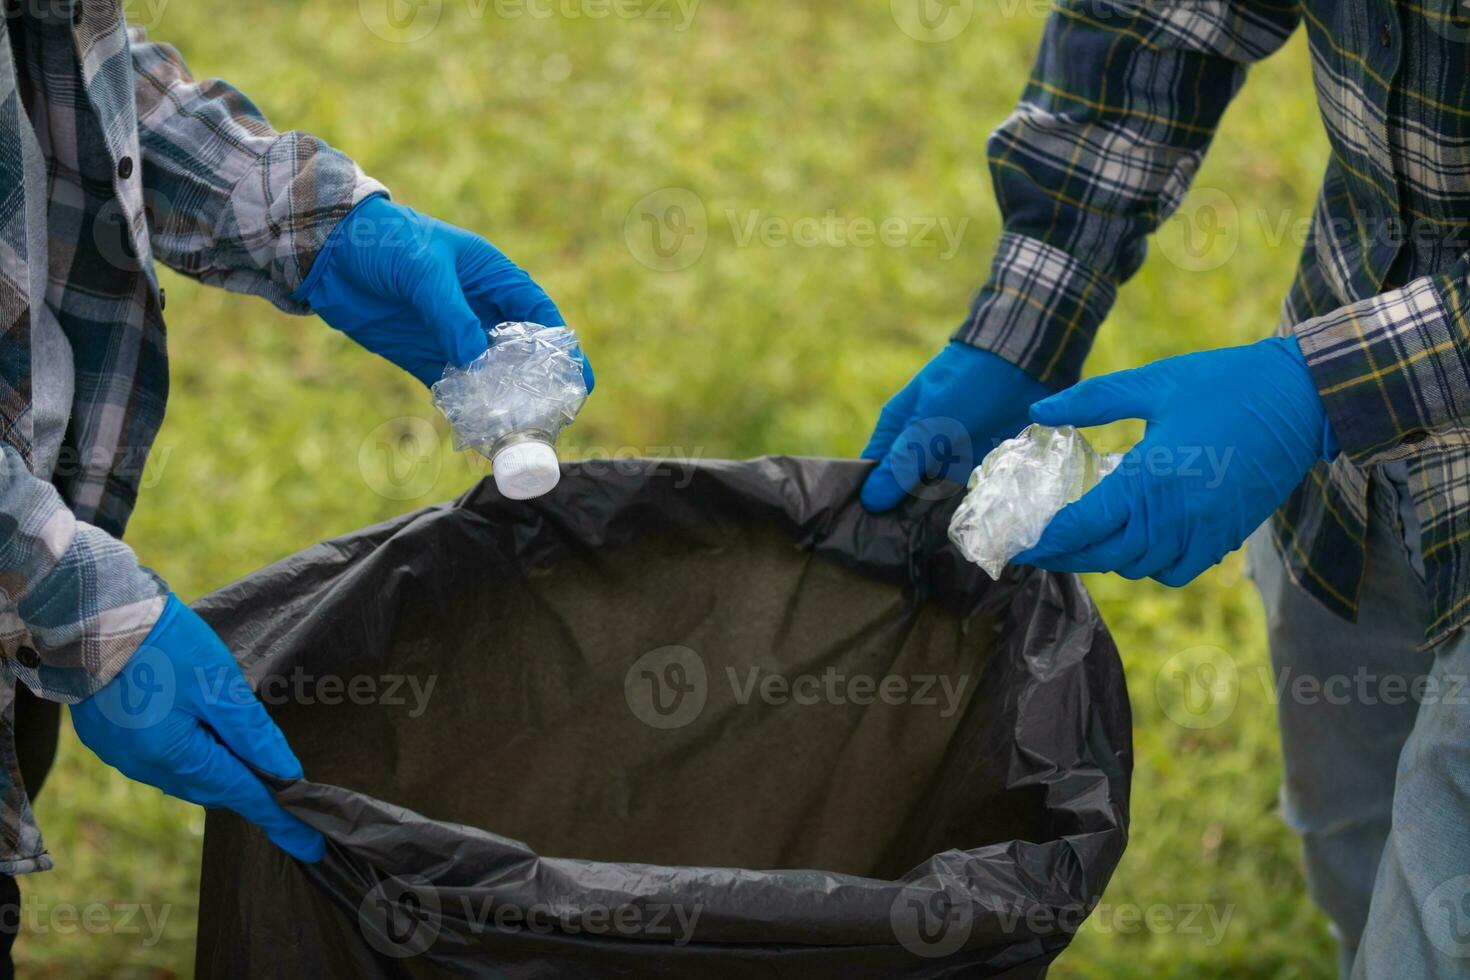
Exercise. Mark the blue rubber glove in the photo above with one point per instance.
(955, 410)
(180, 716)
(1230, 434)
(420, 292)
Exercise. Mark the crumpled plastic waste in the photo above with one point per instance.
(1018, 488)
(528, 381)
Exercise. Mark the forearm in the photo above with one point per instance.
(1119, 111)
(74, 602)
(231, 201)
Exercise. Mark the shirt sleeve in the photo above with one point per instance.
(230, 201)
(74, 602)
(1393, 370)
(1121, 105)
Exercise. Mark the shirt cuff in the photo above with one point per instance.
(1040, 310)
(1391, 369)
(334, 240)
(297, 212)
(79, 624)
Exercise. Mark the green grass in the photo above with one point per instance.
(542, 133)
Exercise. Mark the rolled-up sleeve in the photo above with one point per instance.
(1393, 370)
(74, 602)
(231, 201)
(1119, 110)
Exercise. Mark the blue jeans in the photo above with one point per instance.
(1376, 745)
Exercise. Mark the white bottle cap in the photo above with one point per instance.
(526, 469)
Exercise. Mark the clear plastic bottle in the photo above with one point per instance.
(1019, 487)
(511, 403)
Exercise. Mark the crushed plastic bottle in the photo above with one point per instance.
(1019, 487)
(510, 404)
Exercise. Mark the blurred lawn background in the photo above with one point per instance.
(544, 133)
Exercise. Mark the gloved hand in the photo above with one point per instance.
(1230, 434)
(180, 716)
(420, 292)
(955, 410)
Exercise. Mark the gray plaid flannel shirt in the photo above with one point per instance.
(143, 162)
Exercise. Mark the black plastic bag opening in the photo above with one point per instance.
(675, 719)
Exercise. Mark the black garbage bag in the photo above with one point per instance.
(672, 720)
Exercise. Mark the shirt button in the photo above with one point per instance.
(28, 657)
(162, 298)
(125, 168)
(1385, 34)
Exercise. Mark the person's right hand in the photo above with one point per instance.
(180, 716)
(955, 410)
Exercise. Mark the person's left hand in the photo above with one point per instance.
(1230, 434)
(418, 291)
